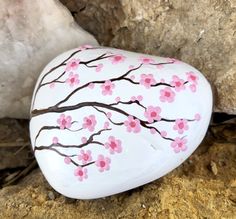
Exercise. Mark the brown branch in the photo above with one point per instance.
(129, 102)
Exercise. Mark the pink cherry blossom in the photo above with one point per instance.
(81, 172)
(163, 133)
(160, 66)
(147, 80)
(84, 140)
(64, 121)
(176, 61)
(103, 163)
(91, 85)
(84, 47)
(114, 145)
(132, 125)
(117, 99)
(193, 88)
(132, 77)
(73, 64)
(107, 88)
(179, 144)
(167, 95)
(153, 131)
(133, 98)
(152, 114)
(177, 83)
(85, 156)
(106, 125)
(197, 117)
(117, 59)
(89, 123)
(139, 98)
(146, 60)
(72, 79)
(181, 125)
(131, 66)
(99, 67)
(52, 85)
(162, 80)
(192, 77)
(108, 114)
(55, 140)
(67, 160)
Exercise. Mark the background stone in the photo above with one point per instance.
(201, 33)
(31, 34)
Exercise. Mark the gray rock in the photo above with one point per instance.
(201, 33)
(31, 34)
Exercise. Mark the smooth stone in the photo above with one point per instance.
(105, 120)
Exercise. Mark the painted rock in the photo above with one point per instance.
(105, 120)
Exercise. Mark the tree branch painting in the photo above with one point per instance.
(109, 112)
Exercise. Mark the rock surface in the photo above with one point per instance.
(201, 33)
(30, 36)
(191, 191)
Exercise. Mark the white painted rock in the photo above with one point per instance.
(105, 120)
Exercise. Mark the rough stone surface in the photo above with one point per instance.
(201, 33)
(193, 190)
(31, 34)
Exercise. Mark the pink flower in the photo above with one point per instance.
(114, 145)
(117, 59)
(85, 156)
(103, 163)
(52, 85)
(163, 133)
(192, 77)
(84, 47)
(181, 125)
(177, 83)
(160, 66)
(133, 98)
(167, 95)
(89, 123)
(153, 114)
(108, 114)
(179, 144)
(117, 99)
(139, 98)
(147, 80)
(73, 79)
(106, 125)
(193, 88)
(107, 88)
(99, 67)
(81, 173)
(197, 117)
(146, 60)
(73, 64)
(67, 160)
(55, 140)
(153, 131)
(91, 85)
(64, 121)
(176, 61)
(84, 140)
(132, 125)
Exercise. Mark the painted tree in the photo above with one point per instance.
(69, 75)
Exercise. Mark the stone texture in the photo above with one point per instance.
(193, 190)
(31, 34)
(201, 33)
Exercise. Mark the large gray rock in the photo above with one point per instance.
(31, 34)
(199, 32)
